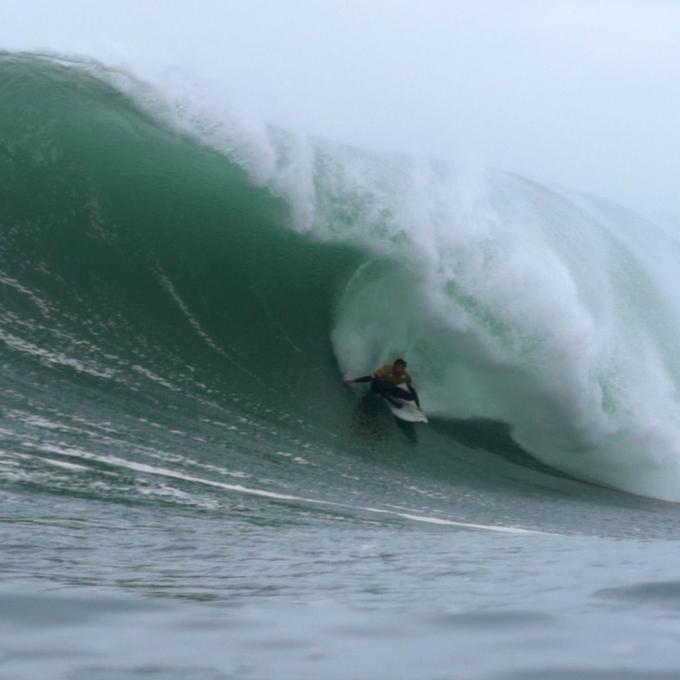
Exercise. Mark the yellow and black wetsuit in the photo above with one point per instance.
(386, 383)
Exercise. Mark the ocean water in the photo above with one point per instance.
(189, 491)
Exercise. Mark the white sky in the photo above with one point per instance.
(582, 93)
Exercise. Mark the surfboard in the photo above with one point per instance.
(408, 412)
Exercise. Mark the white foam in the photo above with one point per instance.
(154, 377)
(27, 292)
(53, 358)
(63, 464)
(268, 494)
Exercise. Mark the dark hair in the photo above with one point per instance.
(399, 361)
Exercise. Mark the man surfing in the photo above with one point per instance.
(388, 381)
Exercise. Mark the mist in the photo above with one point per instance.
(582, 94)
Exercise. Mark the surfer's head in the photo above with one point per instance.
(399, 366)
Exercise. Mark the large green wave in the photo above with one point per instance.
(135, 257)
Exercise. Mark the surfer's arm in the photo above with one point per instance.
(363, 379)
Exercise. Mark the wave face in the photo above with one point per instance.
(151, 248)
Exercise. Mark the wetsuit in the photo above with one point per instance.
(386, 383)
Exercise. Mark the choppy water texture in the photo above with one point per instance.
(188, 490)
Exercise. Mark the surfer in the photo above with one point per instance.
(389, 381)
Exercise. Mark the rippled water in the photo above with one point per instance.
(93, 589)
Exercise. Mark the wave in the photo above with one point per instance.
(147, 239)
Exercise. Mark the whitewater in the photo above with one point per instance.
(189, 490)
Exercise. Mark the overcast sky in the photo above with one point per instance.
(582, 93)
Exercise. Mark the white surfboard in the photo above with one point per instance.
(408, 412)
